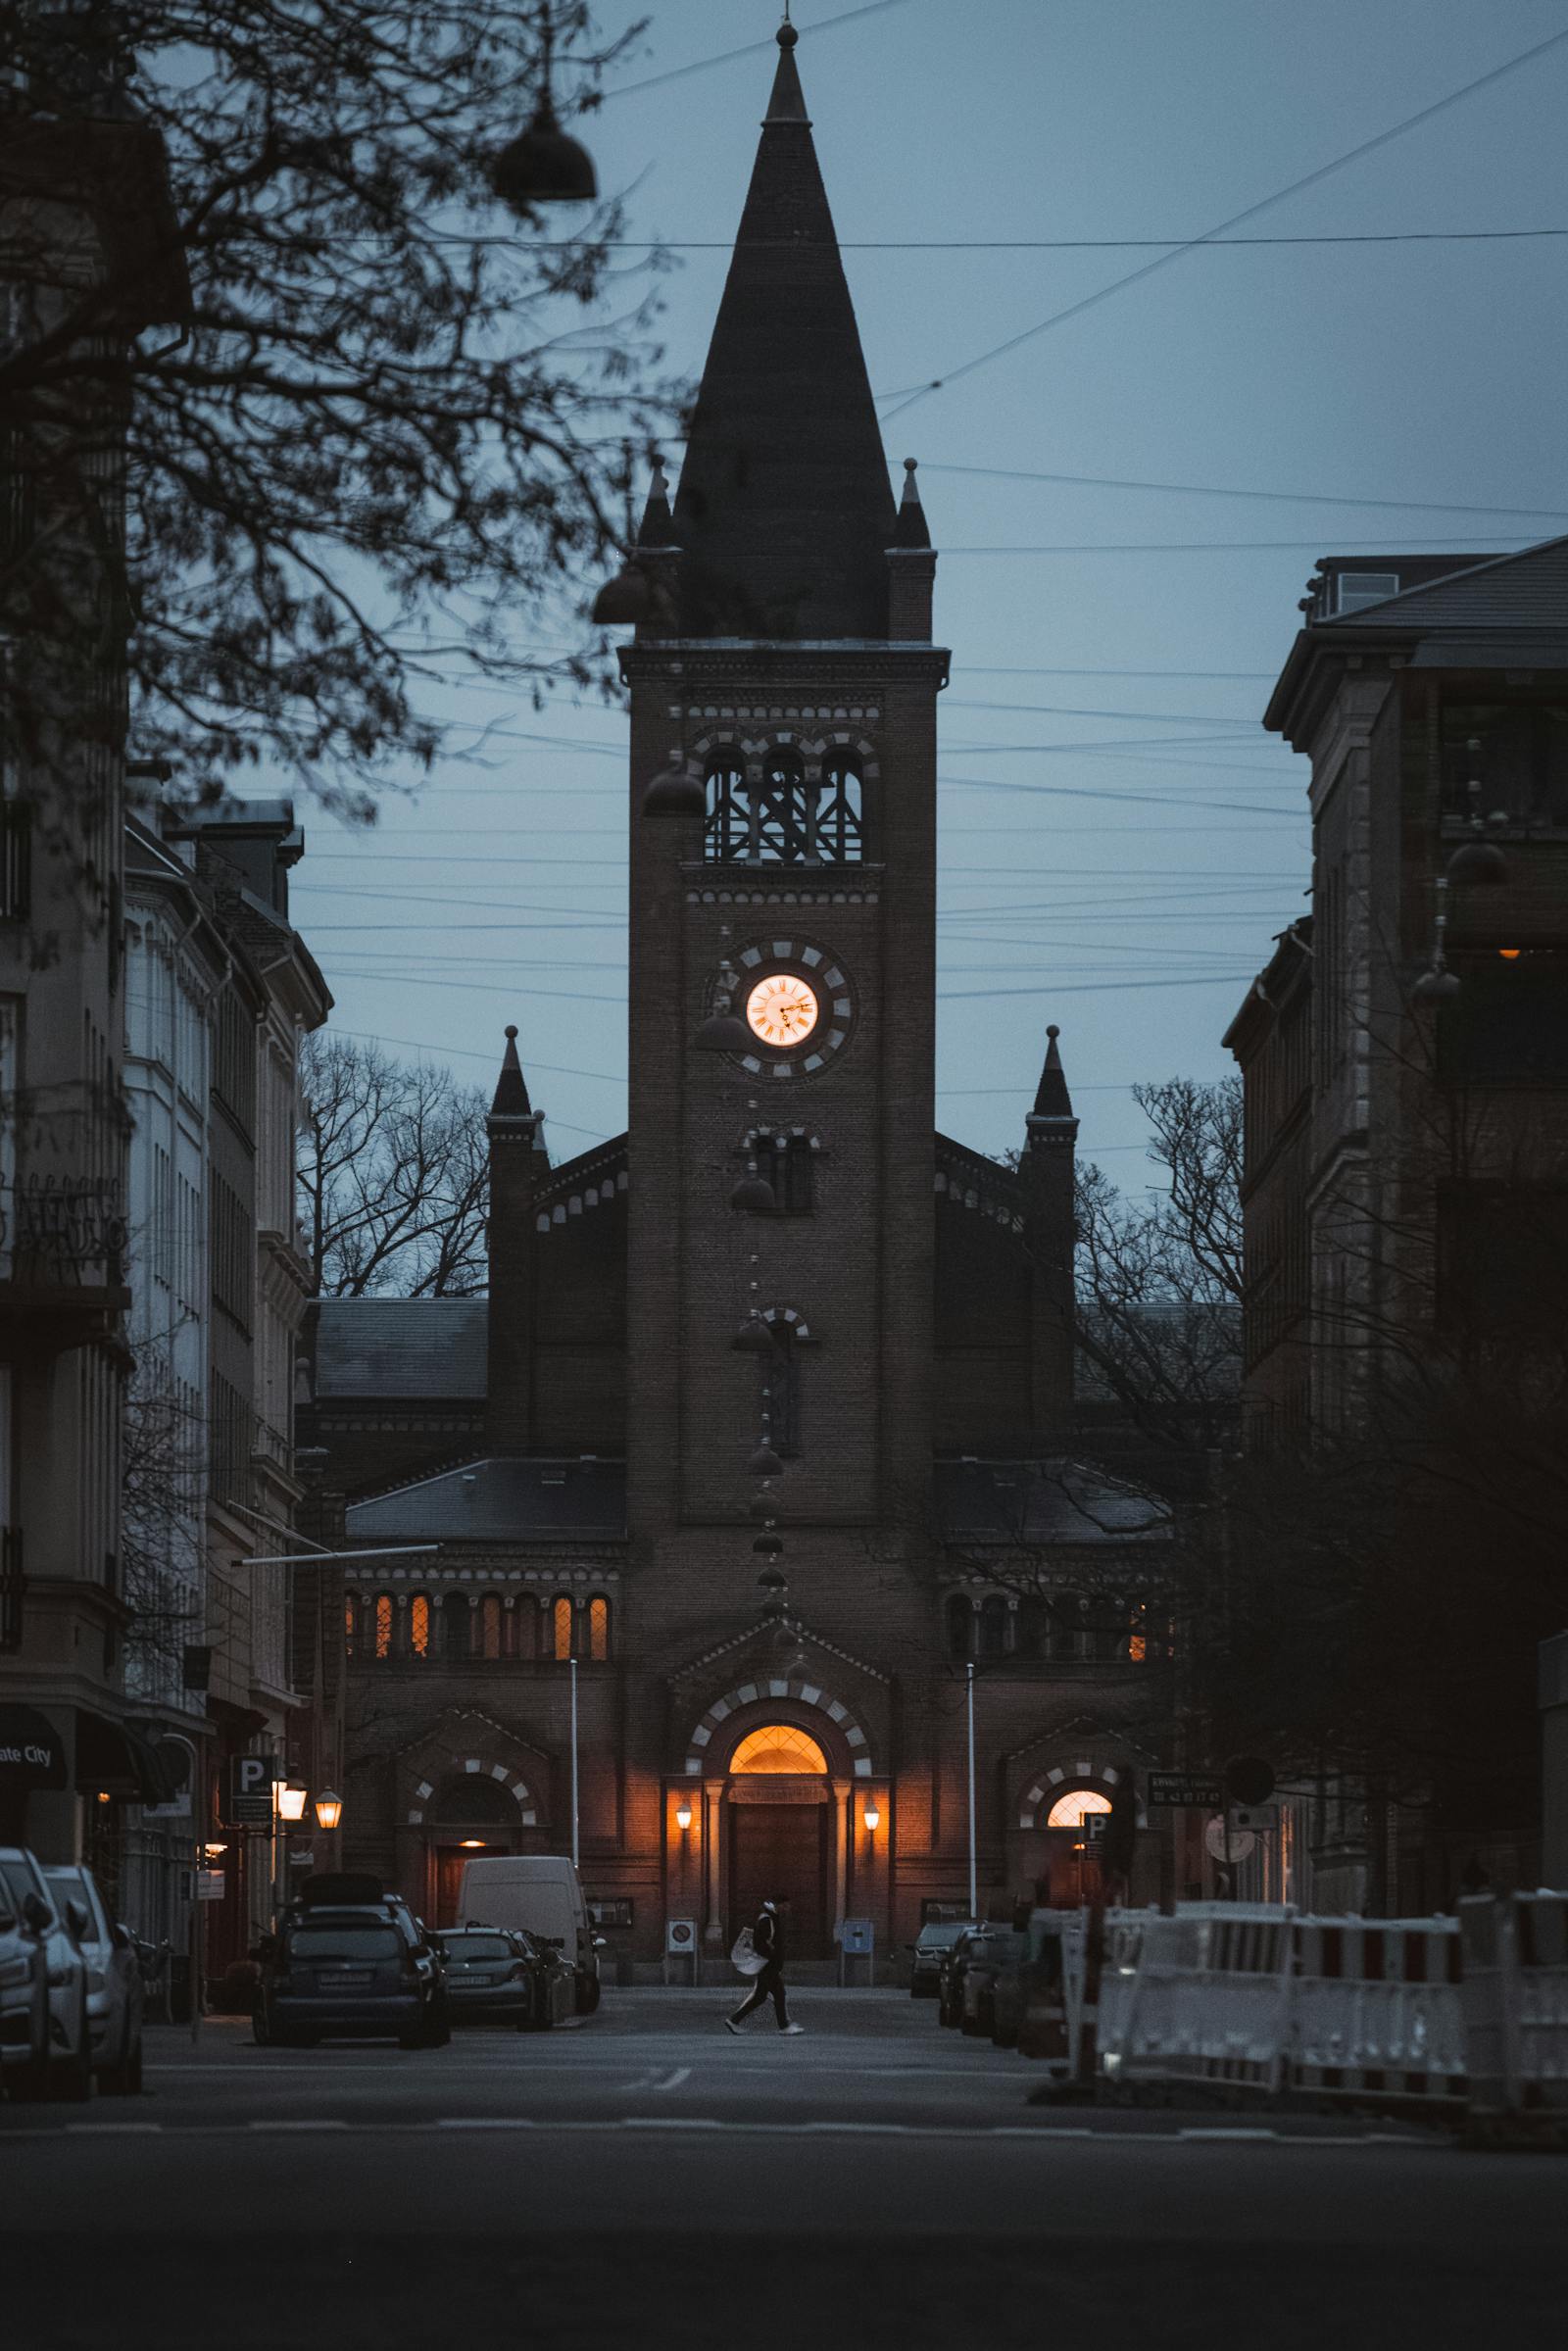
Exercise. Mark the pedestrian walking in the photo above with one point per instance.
(766, 1943)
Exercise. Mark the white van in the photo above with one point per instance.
(541, 1893)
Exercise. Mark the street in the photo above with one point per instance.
(644, 2176)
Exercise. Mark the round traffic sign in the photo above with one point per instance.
(1242, 1841)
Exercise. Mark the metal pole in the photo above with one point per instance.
(574, 1855)
(974, 1891)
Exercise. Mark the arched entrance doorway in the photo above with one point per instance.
(470, 1815)
(1073, 1846)
(780, 1814)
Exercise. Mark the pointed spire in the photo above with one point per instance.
(912, 529)
(788, 102)
(512, 1091)
(1051, 1119)
(657, 523)
(783, 513)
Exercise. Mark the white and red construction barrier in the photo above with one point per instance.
(1516, 2000)
(1375, 2009)
(1202, 1995)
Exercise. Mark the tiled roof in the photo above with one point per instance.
(504, 1501)
(430, 1347)
(1042, 1503)
(1528, 590)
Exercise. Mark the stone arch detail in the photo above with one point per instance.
(1041, 1793)
(806, 1693)
(527, 1811)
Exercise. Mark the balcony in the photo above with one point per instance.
(61, 1262)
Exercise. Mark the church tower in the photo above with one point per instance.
(782, 942)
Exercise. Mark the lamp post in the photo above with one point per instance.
(288, 1807)
(574, 1840)
(975, 1892)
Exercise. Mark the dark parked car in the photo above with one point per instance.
(501, 1976)
(956, 1966)
(1002, 1949)
(928, 1949)
(351, 1971)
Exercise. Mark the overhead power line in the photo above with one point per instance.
(1163, 261)
(1194, 489)
(1391, 236)
(727, 57)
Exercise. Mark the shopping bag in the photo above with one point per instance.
(745, 1957)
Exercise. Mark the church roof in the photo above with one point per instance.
(783, 513)
(509, 1499)
(1034, 1503)
(1526, 590)
(1052, 1099)
(512, 1088)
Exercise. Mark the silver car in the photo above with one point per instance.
(24, 1993)
(114, 1981)
(67, 2071)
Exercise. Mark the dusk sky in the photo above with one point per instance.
(1127, 504)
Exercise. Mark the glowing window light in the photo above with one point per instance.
(778, 1747)
(419, 1626)
(599, 1631)
(561, 1619)
(384, 1624)
(1071, 1810)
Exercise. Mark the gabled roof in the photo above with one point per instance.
(1525, 590)
(784, 515)
(509, 1499)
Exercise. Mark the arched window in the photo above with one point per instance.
(599, 1631)
(525, 1631)
(837, 828)
(456, 1624)
(960, 1626)
(1029, 1627)
(490, 1626)
(993, 1626)
(779, 1747)
(561, 1616)
(419, 1626)
(728, 831)
(1069, 1626)
(350, 1624)
(781, 1391)
(787, 1161)
(1068, 1811)
(383, 1624)
(781, 834)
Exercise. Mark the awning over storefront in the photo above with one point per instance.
(116, 1759)
(32, 1753)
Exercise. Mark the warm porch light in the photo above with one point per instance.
(471, 1845)
(328, 1809)
(1509, 955)
(872, 1817)
(291, 1800)
(683, 1814)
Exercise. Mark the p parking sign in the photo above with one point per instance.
(248, 1792)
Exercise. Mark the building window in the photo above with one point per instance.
(351, 1614)
(490, 1626)
(1521, 761)
(787, 1162)
(384, 1624)
(960, 1626)
(561, 1616)
(1030, 1628)
(779, 1747)
(456, 1626)
(1071, 1810)
(599, 1631)
(419, 1626)
(728, 833)
(1508, 1024)
(837, 829)
(993, 1627)
(781, 1391)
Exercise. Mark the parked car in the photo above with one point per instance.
(1048, 1999)
(954, 1966)
(501, 1976)
(66, 2071)
(540, 1893)
(1003, 1947)
(927, 1950)
(24, 1992)
(351, 1970)
(114, 2004)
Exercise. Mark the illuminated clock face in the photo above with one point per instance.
(781, 1010)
